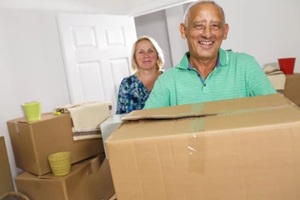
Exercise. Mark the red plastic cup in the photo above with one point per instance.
(287, 65)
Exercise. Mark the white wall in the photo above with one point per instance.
(32, 67)
(265, 29)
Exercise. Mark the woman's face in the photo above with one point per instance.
(145, 55)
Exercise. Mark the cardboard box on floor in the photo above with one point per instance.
(6, 182)
(292, 87)
(33, 142)
(239, 149)
(90, 179)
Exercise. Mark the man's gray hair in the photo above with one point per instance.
(188, 10)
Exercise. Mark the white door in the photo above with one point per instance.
(97, 50)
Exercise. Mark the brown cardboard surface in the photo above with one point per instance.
(6, 182)
(247, 154)
(209, 108)
(292, 88)
(33, 142)
(89, 179)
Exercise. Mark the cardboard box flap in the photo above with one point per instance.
(44, 116)
(210, 108)
(147, 129)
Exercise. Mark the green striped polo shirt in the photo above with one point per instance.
(237, 75)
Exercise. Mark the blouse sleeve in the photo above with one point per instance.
(121, 98)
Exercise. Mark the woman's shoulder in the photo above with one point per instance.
(130, 79)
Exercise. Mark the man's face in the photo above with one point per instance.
(205, 30)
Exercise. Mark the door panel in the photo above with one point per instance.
(97, 50)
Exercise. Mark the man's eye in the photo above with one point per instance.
(215, 27)
(199, 26)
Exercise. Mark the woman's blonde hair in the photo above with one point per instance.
(160, 54)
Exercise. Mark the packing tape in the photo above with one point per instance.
(17, 127)
(196, 147)
(197, 108)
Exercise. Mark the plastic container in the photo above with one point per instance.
(60, 163)
(32, 111)
(287, 65)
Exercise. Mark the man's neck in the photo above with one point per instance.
(204, 67)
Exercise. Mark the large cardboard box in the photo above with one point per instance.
(33, 142)
(6, 182)
(239, 149)
(88, 180)
(292, 88)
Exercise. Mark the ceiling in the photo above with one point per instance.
(116, 7)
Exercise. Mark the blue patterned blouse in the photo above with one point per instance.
(132, 95)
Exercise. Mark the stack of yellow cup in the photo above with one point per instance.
(60, 163)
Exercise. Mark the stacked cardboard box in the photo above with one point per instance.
(292, 87)
(89, 179)
(6, 183)
(239, 149)
(33, 142)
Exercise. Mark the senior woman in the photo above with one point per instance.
(147, 62)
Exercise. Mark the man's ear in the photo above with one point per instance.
(182, 30)
(226, 30)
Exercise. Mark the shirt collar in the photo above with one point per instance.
(223, 60)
